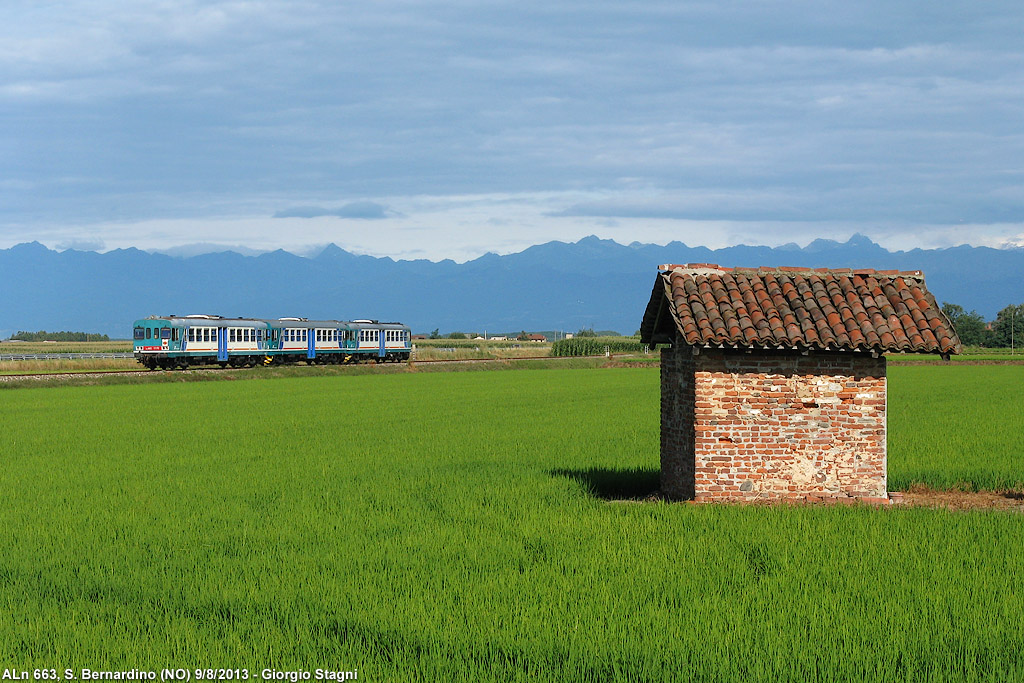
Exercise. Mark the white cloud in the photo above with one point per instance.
(464, 227)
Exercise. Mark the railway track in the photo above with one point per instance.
(69, 374)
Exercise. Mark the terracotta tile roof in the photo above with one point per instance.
(867, 310)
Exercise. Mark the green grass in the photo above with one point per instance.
(956, 426)
(454, 526)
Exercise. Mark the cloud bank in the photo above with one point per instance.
(485, 123)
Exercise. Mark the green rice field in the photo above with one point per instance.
(471, 526)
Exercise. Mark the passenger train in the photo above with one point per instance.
(178, 342)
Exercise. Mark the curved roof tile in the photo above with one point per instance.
(821, 308)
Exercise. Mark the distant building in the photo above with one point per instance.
(536, 337)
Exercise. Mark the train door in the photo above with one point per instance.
(311, 344)
(222, 344)
(382, 334)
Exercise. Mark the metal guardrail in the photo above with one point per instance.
(61, 356)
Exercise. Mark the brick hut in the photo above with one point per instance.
(774, 386)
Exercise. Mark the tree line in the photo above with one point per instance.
(43, 335)
(1006, 330)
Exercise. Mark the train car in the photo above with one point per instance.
(385, 341)
(178, 342)
(314, 341)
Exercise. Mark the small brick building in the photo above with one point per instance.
(774, 386)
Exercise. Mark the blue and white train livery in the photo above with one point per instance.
(178, 342)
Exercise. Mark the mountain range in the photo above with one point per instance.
(593, 283)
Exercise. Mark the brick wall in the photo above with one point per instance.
(772, 425)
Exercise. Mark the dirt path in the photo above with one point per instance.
(964, 500)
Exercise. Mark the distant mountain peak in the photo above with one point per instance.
(593, 282)
(861, 240)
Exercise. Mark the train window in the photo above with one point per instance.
(174, 334)
(140, 333)
(165, 333)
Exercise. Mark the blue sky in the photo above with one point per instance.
(449, 129)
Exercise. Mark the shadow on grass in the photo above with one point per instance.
(637, 483)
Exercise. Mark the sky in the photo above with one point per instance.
(448, 129)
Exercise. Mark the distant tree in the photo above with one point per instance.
(436, 334)
(586, 332)
(523, 336)
(970, 327)
(457, 335)
(43, 335)
(1008, 328)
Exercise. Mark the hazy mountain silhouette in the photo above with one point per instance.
(591, 283)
